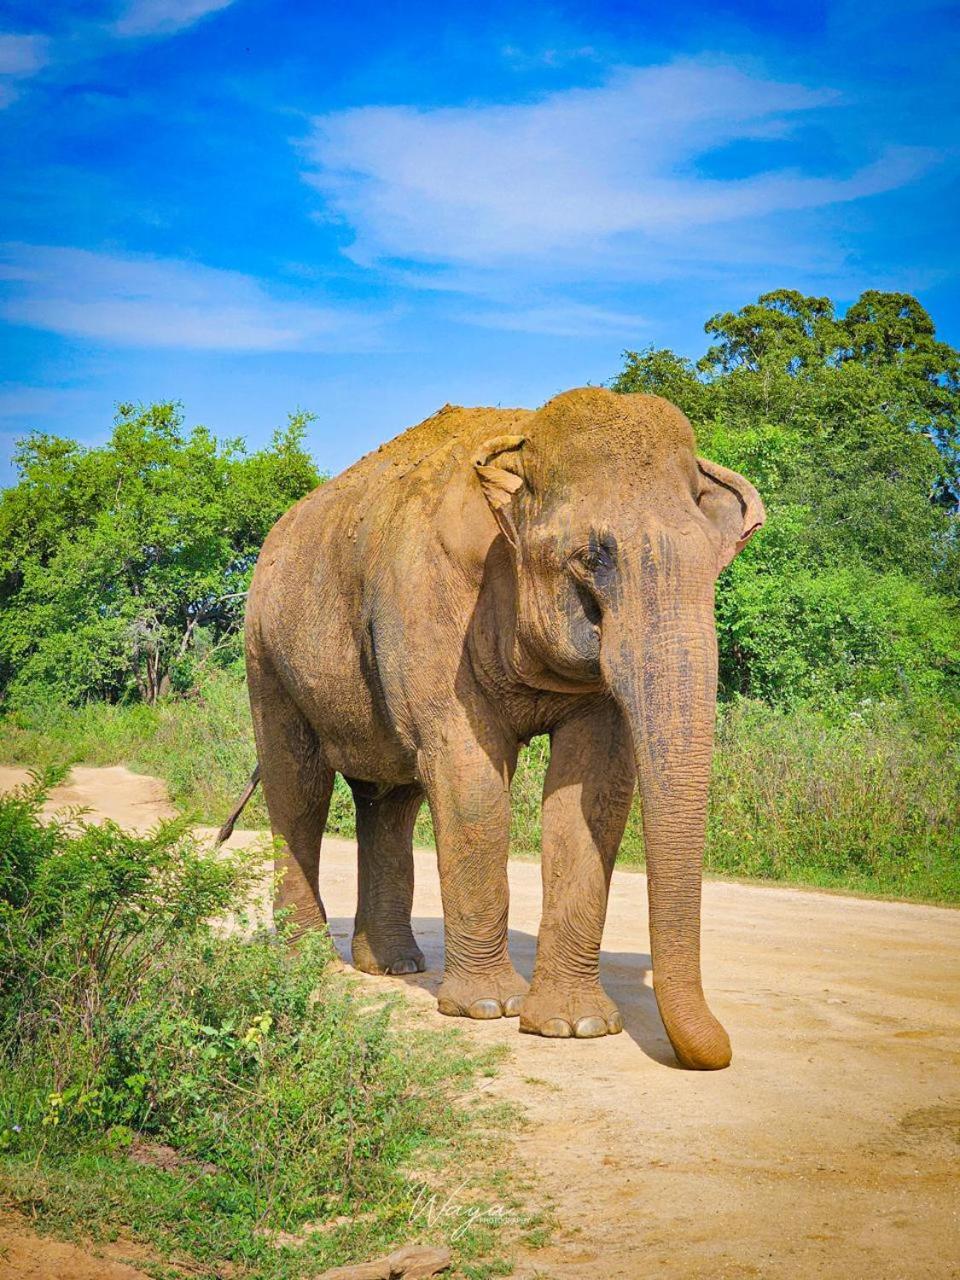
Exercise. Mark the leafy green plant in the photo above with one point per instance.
(275, 1091)
(124, 568)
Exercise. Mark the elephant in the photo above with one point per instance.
(489, 575)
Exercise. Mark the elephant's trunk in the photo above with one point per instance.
(660, 662)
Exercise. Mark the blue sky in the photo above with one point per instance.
(367, 210)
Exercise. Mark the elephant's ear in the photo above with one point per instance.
(733, 507)
(499, 469)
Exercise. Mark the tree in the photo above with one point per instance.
(850, 427)
(120, 564)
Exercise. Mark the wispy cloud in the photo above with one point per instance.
(18, 400)
(164, 302)
(523, 58)
(584, 179)
(21, 56)
(558, 318)
(163, 17)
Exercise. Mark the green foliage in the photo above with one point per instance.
(124, 566)
(834, 636)
(86, 916)
(273, 1091)
(850, 429)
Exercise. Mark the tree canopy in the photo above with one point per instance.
(850, 428)
(123, 565)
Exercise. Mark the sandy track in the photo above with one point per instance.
(132, 800)
(830, 1148)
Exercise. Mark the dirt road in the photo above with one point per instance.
(831, 1146)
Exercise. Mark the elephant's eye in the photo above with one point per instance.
(598, 557)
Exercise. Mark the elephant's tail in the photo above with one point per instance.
(226, 831)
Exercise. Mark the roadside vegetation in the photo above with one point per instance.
(224, 1100)
(865, 799)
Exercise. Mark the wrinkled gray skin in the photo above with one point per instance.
(487, 576)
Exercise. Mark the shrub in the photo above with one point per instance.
(283, 1094)
(834, 637)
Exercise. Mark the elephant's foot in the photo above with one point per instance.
(581, 1012)
(395, 953)
(483, 995)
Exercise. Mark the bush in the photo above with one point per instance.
(126, 1015)
(833, 637)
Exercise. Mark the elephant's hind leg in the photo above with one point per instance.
(586, 800)
(383, 940)
(297, 784)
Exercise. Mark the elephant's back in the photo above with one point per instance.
(319, 546)
(452, 425)
(347, 496)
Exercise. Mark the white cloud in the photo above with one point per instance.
(156, 302)
(586, 180)
(21, 56)
(559, 318)
(163, 17)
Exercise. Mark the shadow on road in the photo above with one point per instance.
(623, 974)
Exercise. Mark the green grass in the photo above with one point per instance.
(867, 801)
(227, 1101)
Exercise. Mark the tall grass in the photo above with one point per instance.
(867, 801)
(201, 744)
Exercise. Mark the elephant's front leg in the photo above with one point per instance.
(586, 800)
(467, 784)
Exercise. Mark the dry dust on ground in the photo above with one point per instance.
(26, 1256)
(830, 1148)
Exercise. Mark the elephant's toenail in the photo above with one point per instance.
(400, 967)
(512, 1006)
(587, 1028)
(485, 1009)
(556, 1027)
(614, 1024)
(449, 1007)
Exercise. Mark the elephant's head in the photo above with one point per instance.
(619, 532)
